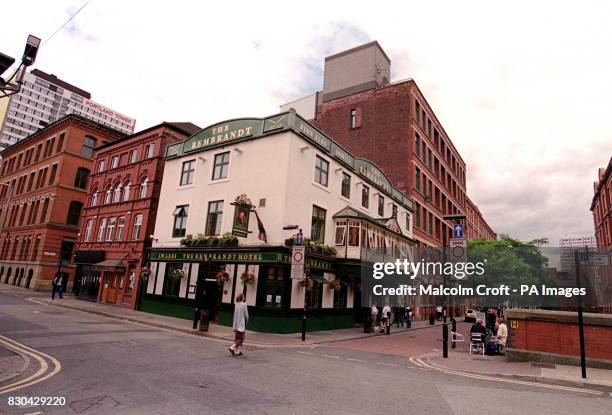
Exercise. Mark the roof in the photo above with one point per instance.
(358, 48)
(55, 80)
(185, 128)
(349, 212)
(65, 118)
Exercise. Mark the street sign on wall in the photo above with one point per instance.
(457, 230)
(458, 249)
(297, 261)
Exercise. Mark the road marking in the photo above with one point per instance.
(299, 351)
(411, 359)
(387, 364)
(330, 357)
(356, 360)
(503, 380)
(37, 377)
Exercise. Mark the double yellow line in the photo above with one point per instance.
(44, 371)
(420, 361)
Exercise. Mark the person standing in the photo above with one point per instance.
(373, 315)
(57, 285)
(408, 317)
(502, 335)
(241, 318)
(384, 319)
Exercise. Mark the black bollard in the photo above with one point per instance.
(454, 323)
(388, 323)
(304, 326)
(444, 340)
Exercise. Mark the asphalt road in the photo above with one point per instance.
(114, 367)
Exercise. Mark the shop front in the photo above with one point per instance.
(182, 280)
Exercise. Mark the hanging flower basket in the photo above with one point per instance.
(305, 282)
(222, 277)
(335, 285)
(247, 278)
(145, 273)
(179, 274)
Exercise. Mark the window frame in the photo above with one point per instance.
(218, 217)
(180, 220)
(221, 165)
(320, 172)
(187, 173)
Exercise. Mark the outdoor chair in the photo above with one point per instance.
(456, 337)
(477, 343)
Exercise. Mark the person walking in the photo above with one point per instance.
(408, 317)
(384, 319)
(374, 315)
(241, 318)
(57, 285)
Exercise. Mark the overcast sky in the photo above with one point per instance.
(524, 91)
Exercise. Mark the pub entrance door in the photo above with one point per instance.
(111, 287)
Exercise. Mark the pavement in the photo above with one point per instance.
(215, 331)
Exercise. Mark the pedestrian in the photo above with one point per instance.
(384, 319)
(408, 317)
(374, 315)
(241, 318)
(439, 312)
(502, 334)
(57, 285)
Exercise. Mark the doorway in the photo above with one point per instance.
(110, 287)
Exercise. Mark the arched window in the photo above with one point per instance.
(74, 213)
(126, 191)
(143, 188)
(117, 196)
(94, 197)
(109, 195)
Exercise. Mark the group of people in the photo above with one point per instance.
(497, 338)
(382, 317)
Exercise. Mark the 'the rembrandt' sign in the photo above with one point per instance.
(223, 133)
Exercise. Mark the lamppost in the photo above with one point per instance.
(29, 56)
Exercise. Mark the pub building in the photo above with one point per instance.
(237, 195)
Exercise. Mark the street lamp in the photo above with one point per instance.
(29, 57)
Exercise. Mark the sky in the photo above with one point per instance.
(523, 89)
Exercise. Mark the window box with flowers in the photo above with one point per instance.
(247, 278)
(178, 274)
(313, 247)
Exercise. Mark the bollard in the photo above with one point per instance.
(304, 326)
(388, 331)
(196, 317)
(204, 320)
(454, 323)
(444, 340)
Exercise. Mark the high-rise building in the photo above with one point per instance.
(393, 125)
(45, 98)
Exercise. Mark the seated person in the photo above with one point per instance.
(478, 327)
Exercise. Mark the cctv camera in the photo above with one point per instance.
(31, 49)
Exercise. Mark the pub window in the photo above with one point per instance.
(365, 196)
(137, 226)
(80, 180)
(340, 233)
(317, 232)
(221, 166)
(274, 287)
(172, 285)
(187, 172)
(214, 217)
(346, 185)
(353, 236)
(180, 221)
(74, 213)
(381, 206)
(314, 298)
(321, 170)
(340, 296)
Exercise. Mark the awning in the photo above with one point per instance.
(111, 263)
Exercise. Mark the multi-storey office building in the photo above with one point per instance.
(393, 125)
(254, 178)
(477, 227)
(119, 215)
(43, 185)
(45, 98)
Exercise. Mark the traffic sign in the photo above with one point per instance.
(457, 230)
(595, 259)
(297, 261)
(458, 249)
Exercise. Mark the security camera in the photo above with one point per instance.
(5, 63)
(31, 49)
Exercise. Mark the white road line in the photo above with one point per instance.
(356, 360)
(387, 364)
(299, 351)
(331, 357)
(414, 362)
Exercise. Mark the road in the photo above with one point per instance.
(114, 367)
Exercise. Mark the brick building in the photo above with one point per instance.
(42, 192)
(393, 125)
(119, 215)
(601, 206)
(477, 227)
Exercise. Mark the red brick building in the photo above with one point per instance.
(119, 216)
(43, 181)
(393, 125)
(477, 227)
(601, 206)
